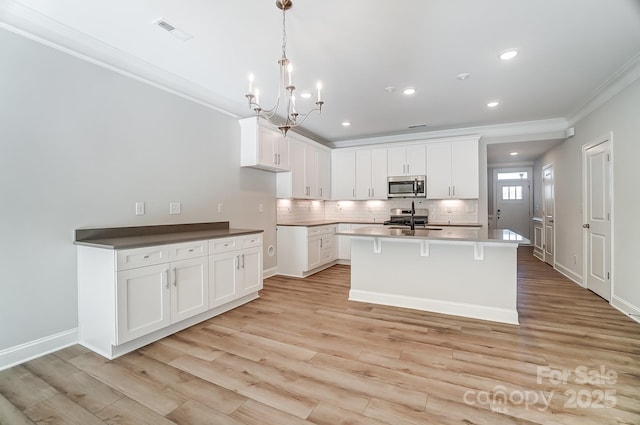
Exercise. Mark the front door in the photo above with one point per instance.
(513, 206)
(598, 224)
(548, 213)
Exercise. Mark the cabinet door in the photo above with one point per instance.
(282, 152)
(267, 140)
(363, 174)
(465, 180)
(416, 160)
(311, 172)
(324, 174)
(189, 288)
(343, 175)
(379, 174)
(223, 278)
(313, 252)
(142, 302)
(298, 174)
(439, 171)
(397, 161)
(251, 270)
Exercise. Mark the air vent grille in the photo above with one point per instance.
(166, 25)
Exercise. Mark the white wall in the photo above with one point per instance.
(619, 116)
(79, 145)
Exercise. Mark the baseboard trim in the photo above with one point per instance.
(569, 274)
(270, 272)
(626, 307)
(14, 356)
(492, 314)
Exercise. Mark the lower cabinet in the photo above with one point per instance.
(304, 250)
(129, 298)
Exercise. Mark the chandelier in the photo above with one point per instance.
(292, 118)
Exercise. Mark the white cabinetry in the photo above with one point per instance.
(236, 268)
(310, 171)
(262, 146)
(452, 170)
(305, 250)
(371, 174)
(407, 160)
(131, 297)
(343, 174)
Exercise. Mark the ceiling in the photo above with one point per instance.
(567, 50)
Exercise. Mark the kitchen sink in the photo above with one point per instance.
(409, 228)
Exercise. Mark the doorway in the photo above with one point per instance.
(597, 213)
(548, 214)
(513, 199)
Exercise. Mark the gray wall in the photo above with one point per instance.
(619, 116)
(79, 145)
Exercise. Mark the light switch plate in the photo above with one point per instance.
(139, 208)
(174, 208)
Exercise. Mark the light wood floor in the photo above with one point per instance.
(303, 354)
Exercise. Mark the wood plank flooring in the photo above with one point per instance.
(304, 354)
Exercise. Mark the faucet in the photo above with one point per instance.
(413, 213)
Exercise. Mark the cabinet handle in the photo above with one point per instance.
(320, 191)
(454, 190)
(320, 242)
(175, 277)
(243, 261)
(449, 190)
(404, 168)
(354, 193)
(146, 256)
(408, 170)
(373, 192)
(167, 285)
(237, 262)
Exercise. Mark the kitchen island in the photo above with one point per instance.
(467, 272)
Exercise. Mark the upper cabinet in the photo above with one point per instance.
(359, 174)
(409, 160)
(310, 175)
(452, 170)
(262, 146)
(371, 175)
(343, 174)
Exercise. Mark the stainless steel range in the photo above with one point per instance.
(402, 217)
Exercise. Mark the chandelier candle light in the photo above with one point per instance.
(285, 89)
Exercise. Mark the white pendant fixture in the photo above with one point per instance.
(289, 117)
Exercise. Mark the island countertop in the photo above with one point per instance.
(467, 234)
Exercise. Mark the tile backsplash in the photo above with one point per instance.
(448, 210)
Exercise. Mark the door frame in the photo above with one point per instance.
(585, 255)
(544, 216)
(529, 170)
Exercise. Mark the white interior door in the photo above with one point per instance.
(598, 224)
(513, 206)
(548, 213)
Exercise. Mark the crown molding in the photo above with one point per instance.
(525, 131)
(28, 23)
(624, 77)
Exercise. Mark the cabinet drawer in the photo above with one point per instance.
(186, 250)
(327, 241)
(139, 257)
(251, 241)
(217, 246)
(321, 230)
(326, 255)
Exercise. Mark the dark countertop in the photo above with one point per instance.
(312, 223)
(143, 236)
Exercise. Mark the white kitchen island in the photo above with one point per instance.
(467, 272)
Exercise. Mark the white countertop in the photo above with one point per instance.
(468, 234)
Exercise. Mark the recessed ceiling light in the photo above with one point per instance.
(346, 123)
(463, 76)
(508, 54)
(305, 95)
(513, 153)
(409, 91)
(493, 104)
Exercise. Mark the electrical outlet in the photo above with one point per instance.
(219, 208)
(261, 208)
(174, 208)
(139, 208)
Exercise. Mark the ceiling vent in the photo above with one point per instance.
(417, 126)
(171, 29)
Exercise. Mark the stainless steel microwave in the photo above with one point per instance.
(407, 187)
